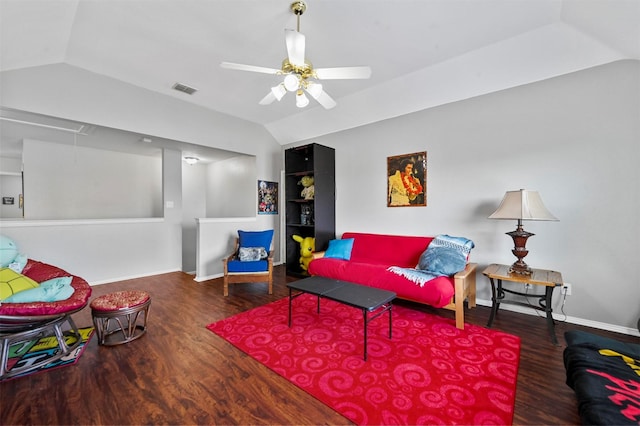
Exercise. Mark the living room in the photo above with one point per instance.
(572, 137)
(560, 116)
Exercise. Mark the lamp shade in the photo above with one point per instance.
(279, 91)
(522, 205)
(291, 82)
(301, 100)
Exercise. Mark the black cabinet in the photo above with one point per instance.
(305, 216)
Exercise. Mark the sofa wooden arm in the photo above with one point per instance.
(318, 254)
(465, 288)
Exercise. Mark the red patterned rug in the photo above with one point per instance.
(428, 373)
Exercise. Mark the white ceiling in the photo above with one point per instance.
(423, 53)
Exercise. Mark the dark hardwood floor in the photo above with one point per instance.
(181, 373)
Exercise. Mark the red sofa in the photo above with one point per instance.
(373, 254)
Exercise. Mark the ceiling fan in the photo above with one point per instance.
(299, 74)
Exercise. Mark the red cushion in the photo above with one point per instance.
(389, 250)
(119, 300)
(437, 292)
(40, 272)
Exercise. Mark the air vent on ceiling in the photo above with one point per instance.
(184, 88)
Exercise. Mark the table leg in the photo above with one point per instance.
(549, 310)
(364, 314)
(494, 301)
(390, 321)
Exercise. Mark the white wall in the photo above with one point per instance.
(103, 251)
(194, 206)
(232, 188)
(76, 182)
(223, 189)
(574, 138)
(10, 186)
(111, 249)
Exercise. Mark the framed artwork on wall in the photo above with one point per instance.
(267, 197)
(407, 180)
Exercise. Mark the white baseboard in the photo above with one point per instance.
(209, 277)
(564, 318)
(131, 277)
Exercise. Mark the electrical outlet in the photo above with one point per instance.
(566, 289)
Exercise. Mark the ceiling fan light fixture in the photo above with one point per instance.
(301, 100)
(298, 73)
(291, 82)
(279, 91)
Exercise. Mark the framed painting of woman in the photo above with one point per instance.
(407, 180)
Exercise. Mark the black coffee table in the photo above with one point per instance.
(368, 299)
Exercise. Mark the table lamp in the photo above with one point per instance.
(521, 205)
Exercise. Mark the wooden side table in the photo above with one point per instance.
(548, 279)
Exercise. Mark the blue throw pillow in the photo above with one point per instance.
(256, 238)
(445, 255)
(340, 249)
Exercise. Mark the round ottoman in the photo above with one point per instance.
(120, 317)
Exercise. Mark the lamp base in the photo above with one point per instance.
(520, 268)
(520, 237)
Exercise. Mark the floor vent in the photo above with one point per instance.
(184, 88)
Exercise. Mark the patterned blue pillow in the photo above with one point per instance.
(251, 254)
(445, 255)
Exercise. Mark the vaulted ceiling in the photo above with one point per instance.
(423, 53)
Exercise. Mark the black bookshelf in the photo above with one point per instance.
(309, 218)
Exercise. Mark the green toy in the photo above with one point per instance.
(309, 188)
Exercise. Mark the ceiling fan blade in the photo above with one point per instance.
(268, 99)
(325, 100)
(343, 73)
(295, 47)
(252, 68)
(316, 92)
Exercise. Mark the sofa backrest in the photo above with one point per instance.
(391, 250)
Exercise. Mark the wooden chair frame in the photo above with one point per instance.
(247, 277)
(465, 288)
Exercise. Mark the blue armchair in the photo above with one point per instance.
(251, 261)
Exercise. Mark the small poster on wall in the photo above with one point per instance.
(407, 180)
(267, 197)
